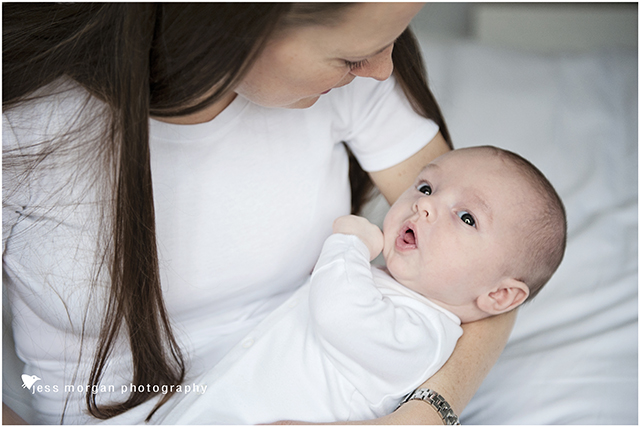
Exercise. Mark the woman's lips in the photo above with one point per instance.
(407, 239)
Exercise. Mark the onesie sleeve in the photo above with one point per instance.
(378, 124)
(379, 345)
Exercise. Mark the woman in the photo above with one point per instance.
(152, 153)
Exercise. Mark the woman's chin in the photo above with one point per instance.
(303, 103)
(287, 104)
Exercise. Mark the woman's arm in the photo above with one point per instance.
(394, 181)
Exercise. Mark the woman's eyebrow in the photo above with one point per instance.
(381, 50)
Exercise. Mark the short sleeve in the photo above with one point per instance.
(37, 151)
(378, 124)
(13, 202)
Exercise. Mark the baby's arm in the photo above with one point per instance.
(370, 338)
(360, 227)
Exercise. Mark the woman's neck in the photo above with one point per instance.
(202, 116)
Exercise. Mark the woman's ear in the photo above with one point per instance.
(509, 294)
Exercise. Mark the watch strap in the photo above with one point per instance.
(436, 401)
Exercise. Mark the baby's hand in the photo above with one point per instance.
(358, 226)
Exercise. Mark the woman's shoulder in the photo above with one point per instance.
(61, 107)
(362, 91)
(357, 103)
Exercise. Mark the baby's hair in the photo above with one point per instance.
(545, 237)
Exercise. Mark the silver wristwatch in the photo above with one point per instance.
(434, 399)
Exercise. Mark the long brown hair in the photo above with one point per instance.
(156, 59)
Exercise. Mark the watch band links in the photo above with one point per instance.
(437, 401)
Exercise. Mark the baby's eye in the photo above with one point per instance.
(467, 218)
(424, 188)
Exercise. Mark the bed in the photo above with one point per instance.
(572, 357)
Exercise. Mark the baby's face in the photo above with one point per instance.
(449, 236)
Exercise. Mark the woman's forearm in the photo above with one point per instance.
(475, 354)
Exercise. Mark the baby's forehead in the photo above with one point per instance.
(469, 161)
(481, 171)
(469, 154)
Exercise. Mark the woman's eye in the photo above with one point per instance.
(356, 65)
(424, 188)
(467, 218)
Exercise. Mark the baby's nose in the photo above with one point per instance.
(425, 208)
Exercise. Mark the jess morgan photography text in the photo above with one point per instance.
(29, 381)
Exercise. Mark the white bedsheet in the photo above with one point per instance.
(573, 355)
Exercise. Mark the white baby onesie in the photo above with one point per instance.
(348, 345)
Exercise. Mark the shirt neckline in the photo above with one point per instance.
(186, 133)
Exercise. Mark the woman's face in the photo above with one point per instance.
(303, 63)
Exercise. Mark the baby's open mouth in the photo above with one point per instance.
(409, 237)
(406, 239)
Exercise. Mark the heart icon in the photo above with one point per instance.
(28, 380)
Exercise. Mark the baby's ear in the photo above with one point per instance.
(509, 294)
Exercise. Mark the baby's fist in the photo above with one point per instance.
(360, 227)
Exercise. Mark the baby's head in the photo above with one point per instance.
(479, 232)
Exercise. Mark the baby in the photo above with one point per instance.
(480, 232)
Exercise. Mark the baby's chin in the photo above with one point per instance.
(393, 271)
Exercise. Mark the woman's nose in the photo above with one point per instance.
(378, 67)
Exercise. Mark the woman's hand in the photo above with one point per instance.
(360, 227)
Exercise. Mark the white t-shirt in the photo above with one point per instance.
(243, 204)
(348, 345)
